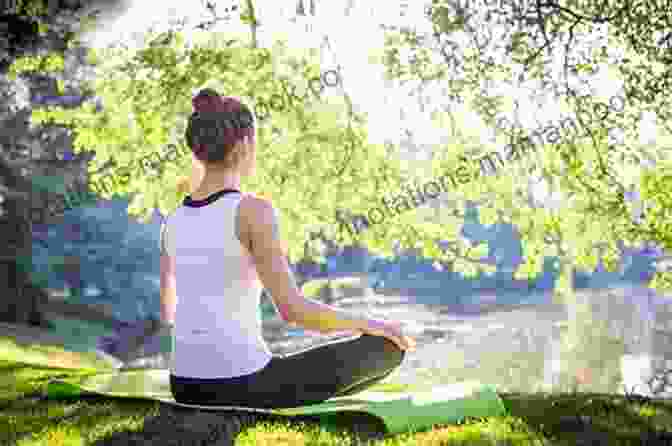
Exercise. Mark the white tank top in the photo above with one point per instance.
(217, 332)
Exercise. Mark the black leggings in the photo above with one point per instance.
(311, 376)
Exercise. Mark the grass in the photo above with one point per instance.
(533, 419)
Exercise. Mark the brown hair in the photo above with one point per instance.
(216, 127)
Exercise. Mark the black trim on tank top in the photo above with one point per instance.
(189, 202)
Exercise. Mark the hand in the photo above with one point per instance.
(391, 330)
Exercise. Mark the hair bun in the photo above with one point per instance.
(209, 101)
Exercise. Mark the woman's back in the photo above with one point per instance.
(218, 288)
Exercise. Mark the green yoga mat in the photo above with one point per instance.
(399, 411)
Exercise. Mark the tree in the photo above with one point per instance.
(313, 149)
(589, 177)
(24, 24)
(15, 231)
(146, 95)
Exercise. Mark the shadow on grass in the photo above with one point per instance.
(599, 419)
(175, 426)
(580, 419)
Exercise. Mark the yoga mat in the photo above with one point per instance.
(399, 411)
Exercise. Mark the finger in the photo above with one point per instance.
(397, 342)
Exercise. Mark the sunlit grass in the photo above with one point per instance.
(47, 355)
(475, 433)
(533, 419)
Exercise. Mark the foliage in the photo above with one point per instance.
(319, 151)
(31, 8)
(35, 11)
(542, 45)
(52, 63)
(657, 191)
(314, 288)
(147, 99)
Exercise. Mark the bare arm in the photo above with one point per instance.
(260, 221)
(167, 282)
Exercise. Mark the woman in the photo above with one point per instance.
(216, 251)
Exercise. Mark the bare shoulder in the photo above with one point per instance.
(259, 224)
(256, 209)
(259, 219)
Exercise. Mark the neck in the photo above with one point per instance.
(216, 180)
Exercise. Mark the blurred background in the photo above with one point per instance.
(90, 269)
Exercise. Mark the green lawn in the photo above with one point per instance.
(535, 419)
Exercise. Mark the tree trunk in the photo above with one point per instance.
(253, 26)
(24, 155)
(20, 303)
